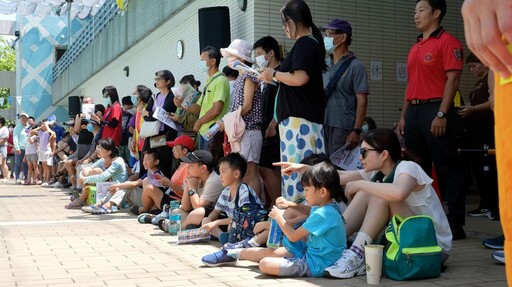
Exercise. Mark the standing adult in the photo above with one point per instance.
(164, 99)
(20, 136)
(347, 95)
(267, 54)
(428, 116)
(214, 102)
(112, 119)
(488, 33)
(478, 123)
(300, 103)
(143, 94)
(4, 135)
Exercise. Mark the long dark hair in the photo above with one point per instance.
(325, 175)
(112, 93)
(299, 12)
(384, 139)
(109, 145)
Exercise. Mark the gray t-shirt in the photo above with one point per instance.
(211, 189)
(340, 111)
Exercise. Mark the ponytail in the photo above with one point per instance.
(318, 36)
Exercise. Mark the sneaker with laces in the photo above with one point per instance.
(218, 258)
(240, 244)
(480, 212)
(163, 224)
(348, 266)
(145, 218)
(162, 215)
(495, 242)
(498, 255)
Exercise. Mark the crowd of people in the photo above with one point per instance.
(244, 133)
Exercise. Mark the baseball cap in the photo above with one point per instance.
(23, 114)
(340, 25)
(185, 141)
(201, 156)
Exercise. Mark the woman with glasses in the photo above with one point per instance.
(300, 99)
(163, 99)
(387, 185)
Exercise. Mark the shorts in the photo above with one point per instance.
(134, 196)
(31, 157)
(116, 198)
(251, 145)
(45, 156)
(270, 152)
(294, 267)
(3, 151)
(167, 197)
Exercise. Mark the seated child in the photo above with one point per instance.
(232, 169)
(324, 230)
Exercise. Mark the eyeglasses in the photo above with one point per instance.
(363, 151)
(332, 34)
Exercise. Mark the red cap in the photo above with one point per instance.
(185, 141)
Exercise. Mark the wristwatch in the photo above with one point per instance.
(440, 115)
(191, 192)
(357, 131)
(274, 77)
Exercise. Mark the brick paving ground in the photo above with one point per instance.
(43, 244)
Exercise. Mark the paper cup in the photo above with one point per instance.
(373, 258)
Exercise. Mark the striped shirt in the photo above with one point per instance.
(227, 204)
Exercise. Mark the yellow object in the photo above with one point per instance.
(120, 4)
(503, 135)
(457, 100)
(509, 80)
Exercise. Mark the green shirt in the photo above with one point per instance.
(216, 90)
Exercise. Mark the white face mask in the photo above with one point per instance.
(262, 62)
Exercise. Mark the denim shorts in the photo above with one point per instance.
(3, 151)
(294, 267)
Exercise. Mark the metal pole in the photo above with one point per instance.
(69, 23)
(19, 67)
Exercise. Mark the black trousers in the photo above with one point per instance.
(441, 151)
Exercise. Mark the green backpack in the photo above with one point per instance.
(413, 252)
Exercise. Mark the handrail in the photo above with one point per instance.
(105, 14)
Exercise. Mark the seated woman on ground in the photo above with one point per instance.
(404, 189)
(110, 167)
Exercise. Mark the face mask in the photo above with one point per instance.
(135, 100)
(203, 66)
(90, 127)
(261, 62)
(365, 128)
(329, 45)
(107, 100)
(230, 61)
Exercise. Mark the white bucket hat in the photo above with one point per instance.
(239, 48)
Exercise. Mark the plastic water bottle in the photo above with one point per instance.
(275, 235)
(211, 132)
(174, 218)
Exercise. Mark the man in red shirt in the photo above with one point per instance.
(428, 116)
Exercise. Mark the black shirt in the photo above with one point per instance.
(305, 101)
(84, 137)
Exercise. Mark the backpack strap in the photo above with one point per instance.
(332, 82)
(252, 200)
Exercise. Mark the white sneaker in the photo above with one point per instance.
(44, 184)
(57, 185)
(348, 266)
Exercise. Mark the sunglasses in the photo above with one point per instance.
(363, 151)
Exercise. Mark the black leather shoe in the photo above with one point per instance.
(458, 233)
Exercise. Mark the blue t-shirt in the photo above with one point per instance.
(326, 240)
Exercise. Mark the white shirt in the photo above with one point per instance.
(4, 134)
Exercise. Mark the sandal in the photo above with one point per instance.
(100, 210)
(74, 204)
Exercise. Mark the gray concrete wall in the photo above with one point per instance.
(126, 30)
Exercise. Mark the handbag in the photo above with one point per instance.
(413, 251)
(149, 129)
(245, 218)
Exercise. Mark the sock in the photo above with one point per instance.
(235, 253)
(361, 240)
(253, 242)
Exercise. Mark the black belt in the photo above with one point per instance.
(417, 102)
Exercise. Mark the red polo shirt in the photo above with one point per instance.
(428, 62)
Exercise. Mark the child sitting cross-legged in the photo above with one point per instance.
(232, 169)
(323, 229)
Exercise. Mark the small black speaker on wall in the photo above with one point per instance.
(214, 27)
(74, 105)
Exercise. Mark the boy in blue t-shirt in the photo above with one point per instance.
(323, 230)
(232, 170)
